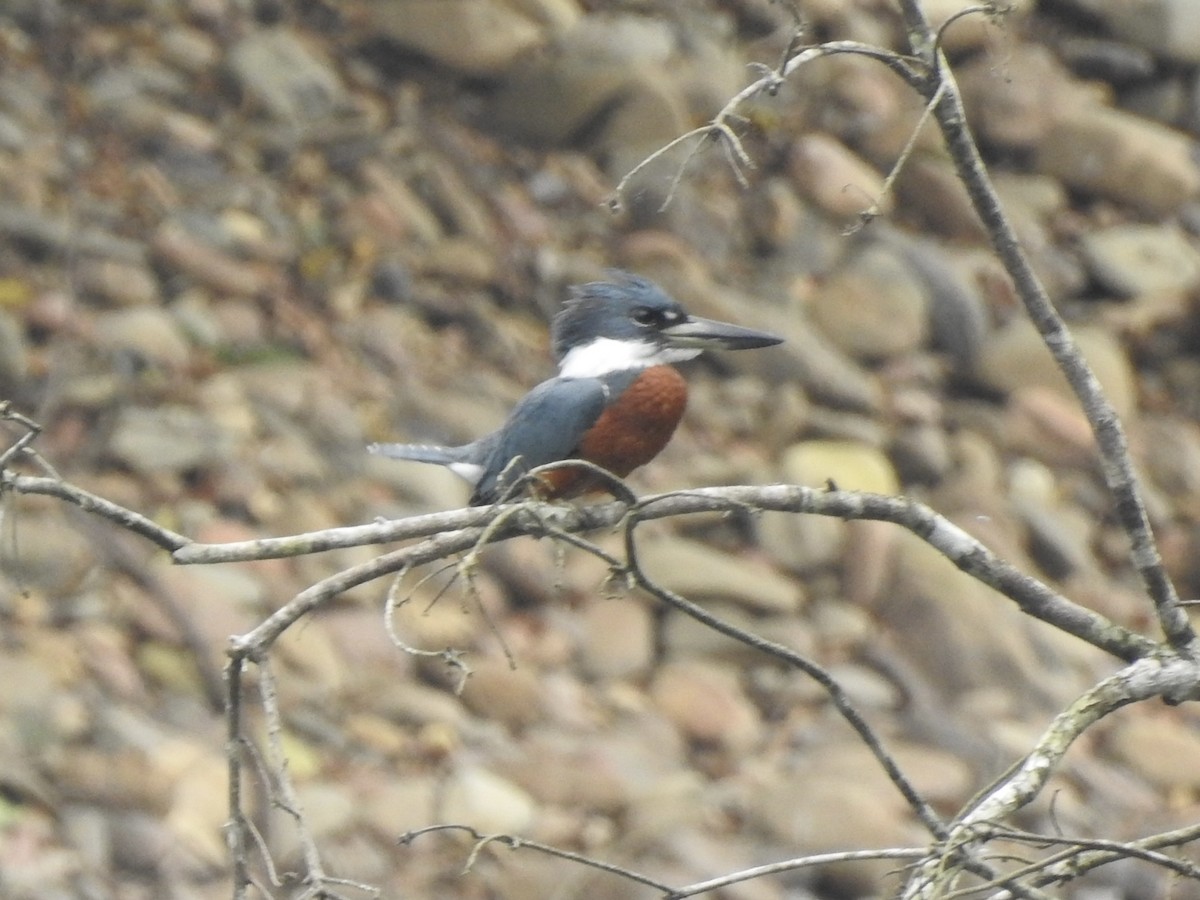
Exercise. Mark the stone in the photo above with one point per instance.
(398, 805)
(958, 314)
(827, 373)
(1017, 112)
(977, 30)
(1159, 747)
(14, 355)
(929, 190)
(699, 572)
(1118, 156)
(117, 282)
(707, 705)
(471, 37)
(287, 77)
(617, 639)
(1015, 357)
(1043, 423)
(849, 466)
(1167, 28)
(873, 307)
(478, 798)
(498, 692)
(960, 634)
(143, 336)
(166, 439)
(836, 179)
(44, 552)
(1135, 259)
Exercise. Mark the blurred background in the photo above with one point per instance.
(239, 240)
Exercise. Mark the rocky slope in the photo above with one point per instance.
(239, 240)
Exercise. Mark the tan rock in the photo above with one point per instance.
(836, 179)
(476, 797)
(849, 465)
(699, 572)
(1015, 356)
(874, 307)
(1161, 748)
(1119, 156)
(474, 37)
(617, 639)
(707, 705)
(501, 693)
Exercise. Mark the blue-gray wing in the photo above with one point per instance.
(545, 427)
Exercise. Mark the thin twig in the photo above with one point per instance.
(790, 865)
(92, 503)
(518, 843)
(769, 83)
(1170, 676)
(837, 695)
(1117, 466)
(235, 828)
(451, 656)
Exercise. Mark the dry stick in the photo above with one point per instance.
(790, 865)
(1031, 595)
(963, 853)
(1118, 470)
(89, 502)
(235, 828)
(1074, 848)
(1174, 677)
(1086, 861)
(317, 880)
(719, 126)
(968, 554)
(518, 843)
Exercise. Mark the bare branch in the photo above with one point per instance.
(769, 83)
(89, 502)
(1096, 854)
(790, 865)
(518, 843)
(868, 214)
(1118, 469)
(235, 828)
(1032, 596)
(1172, 677)
(1074, 861)
(449, 655)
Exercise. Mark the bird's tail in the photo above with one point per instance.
(426, 453)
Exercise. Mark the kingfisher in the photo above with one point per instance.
(614, 403)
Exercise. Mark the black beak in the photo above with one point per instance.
(709, 334)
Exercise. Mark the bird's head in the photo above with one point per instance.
(630, 322)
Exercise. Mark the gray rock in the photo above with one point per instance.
(1166, 28)
(472, 37)
(873, 307)
(1118, 156)
(1015, 357)
(287, 77)
(1137, 259)
(14, 356)
(700, 572)
(169, 439)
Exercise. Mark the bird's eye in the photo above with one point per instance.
(643, 315)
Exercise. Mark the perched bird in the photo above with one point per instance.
(615, 401)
